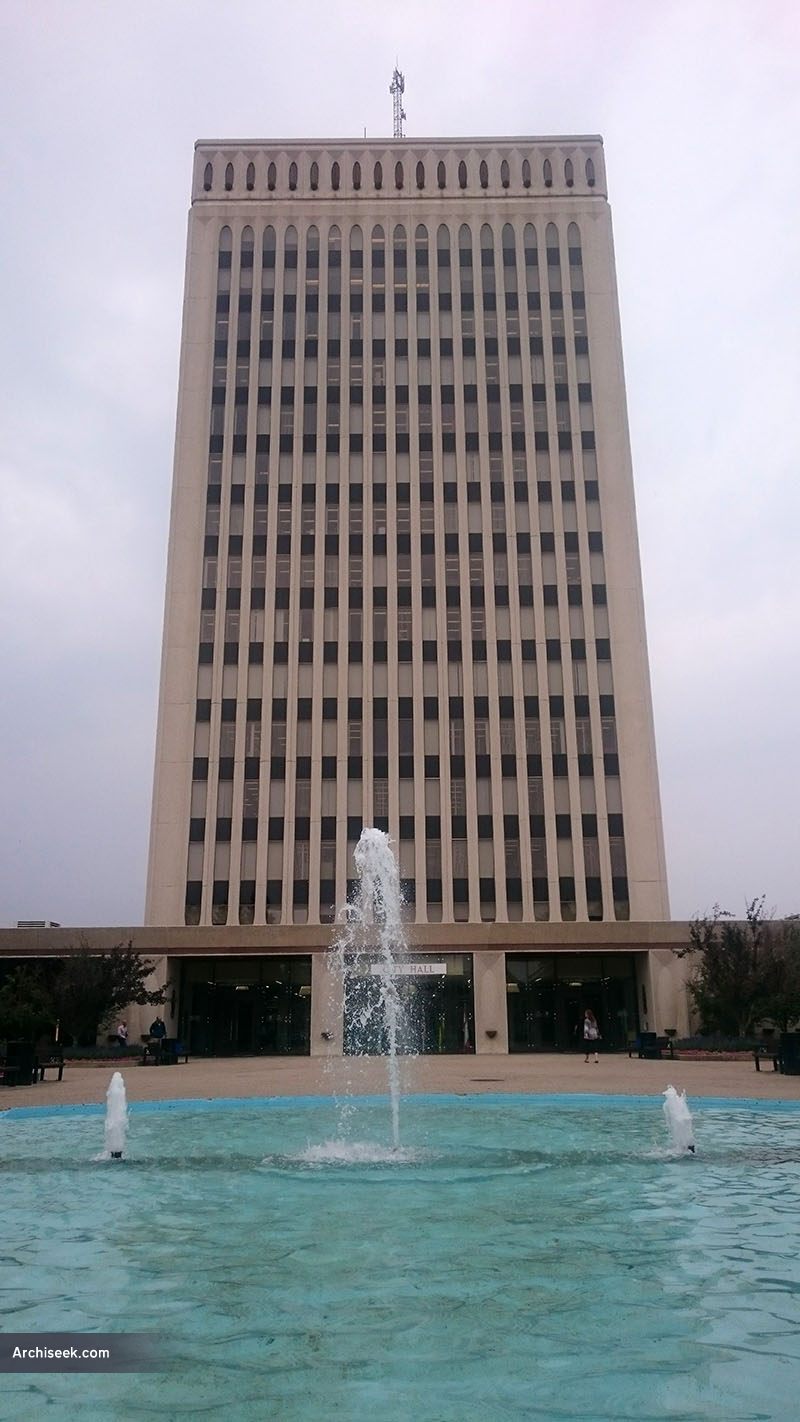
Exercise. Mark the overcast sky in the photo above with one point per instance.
(100, 105)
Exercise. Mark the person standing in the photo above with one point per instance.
(591, 1034)
(122, 1034)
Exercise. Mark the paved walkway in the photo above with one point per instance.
(311, 1076)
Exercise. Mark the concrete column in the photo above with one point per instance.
(327, 1008)
(669, 996)
(491, 1016)
(139, 1017)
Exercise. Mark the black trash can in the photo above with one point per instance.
(169, 1052)
(23, 1056)
(790, 1053)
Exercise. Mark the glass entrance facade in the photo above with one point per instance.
(547, 995)
(439, 1014)
(246, 1006)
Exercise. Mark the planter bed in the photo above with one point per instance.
(693, 1054)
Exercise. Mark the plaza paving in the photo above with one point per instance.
(312, 1076)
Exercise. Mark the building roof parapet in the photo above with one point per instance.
(394, 169)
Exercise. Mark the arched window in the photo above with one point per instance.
(400, 265)
(292, 176)
(551, 242)
(378, 260)
(575, 259)
(356, 287)
(335, 263)
(529, 245)
(208, 177)
(505, 176)
(226, 240)
(569, 176)
(483, 172)
(357, 176)
(335, 177)
(290, 276)
(398, 175)
(251, 177)
(271, 177)
(420, 175)
(509, 258)
(590, 178)
(441, 175)
(547, 172)
(246, 262)
(378, 176)
(313, 177)
(267, 315)
(228, 177)
(526, 173)
(462, 174)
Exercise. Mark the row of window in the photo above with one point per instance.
(274, 911)
(511, 860)
(279, 829)
(335, 175)
(432, 768)
(399, 239)
(328, 708)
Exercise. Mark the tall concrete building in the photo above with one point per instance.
(403, 582)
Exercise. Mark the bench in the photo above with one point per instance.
(649, 1046)
(166, 1051)
(767, 1052)
(52, 1064)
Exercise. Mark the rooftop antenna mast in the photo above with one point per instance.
(397, 89)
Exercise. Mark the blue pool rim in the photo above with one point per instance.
(563, 1100)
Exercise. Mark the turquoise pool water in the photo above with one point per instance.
(526, 1258)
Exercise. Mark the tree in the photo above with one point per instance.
(92, 987)
(783, 1004)
(26, 1006)
(743, 972)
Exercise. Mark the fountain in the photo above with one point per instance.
(116, 1127)
(366, 957)
(679, 1120)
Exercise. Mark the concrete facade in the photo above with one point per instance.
(403, 583)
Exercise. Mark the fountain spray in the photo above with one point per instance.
(368, 950)
(679, 1120)
(116, 1128)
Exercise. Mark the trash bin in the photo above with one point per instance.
(22, 1055)
(790, 1053)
